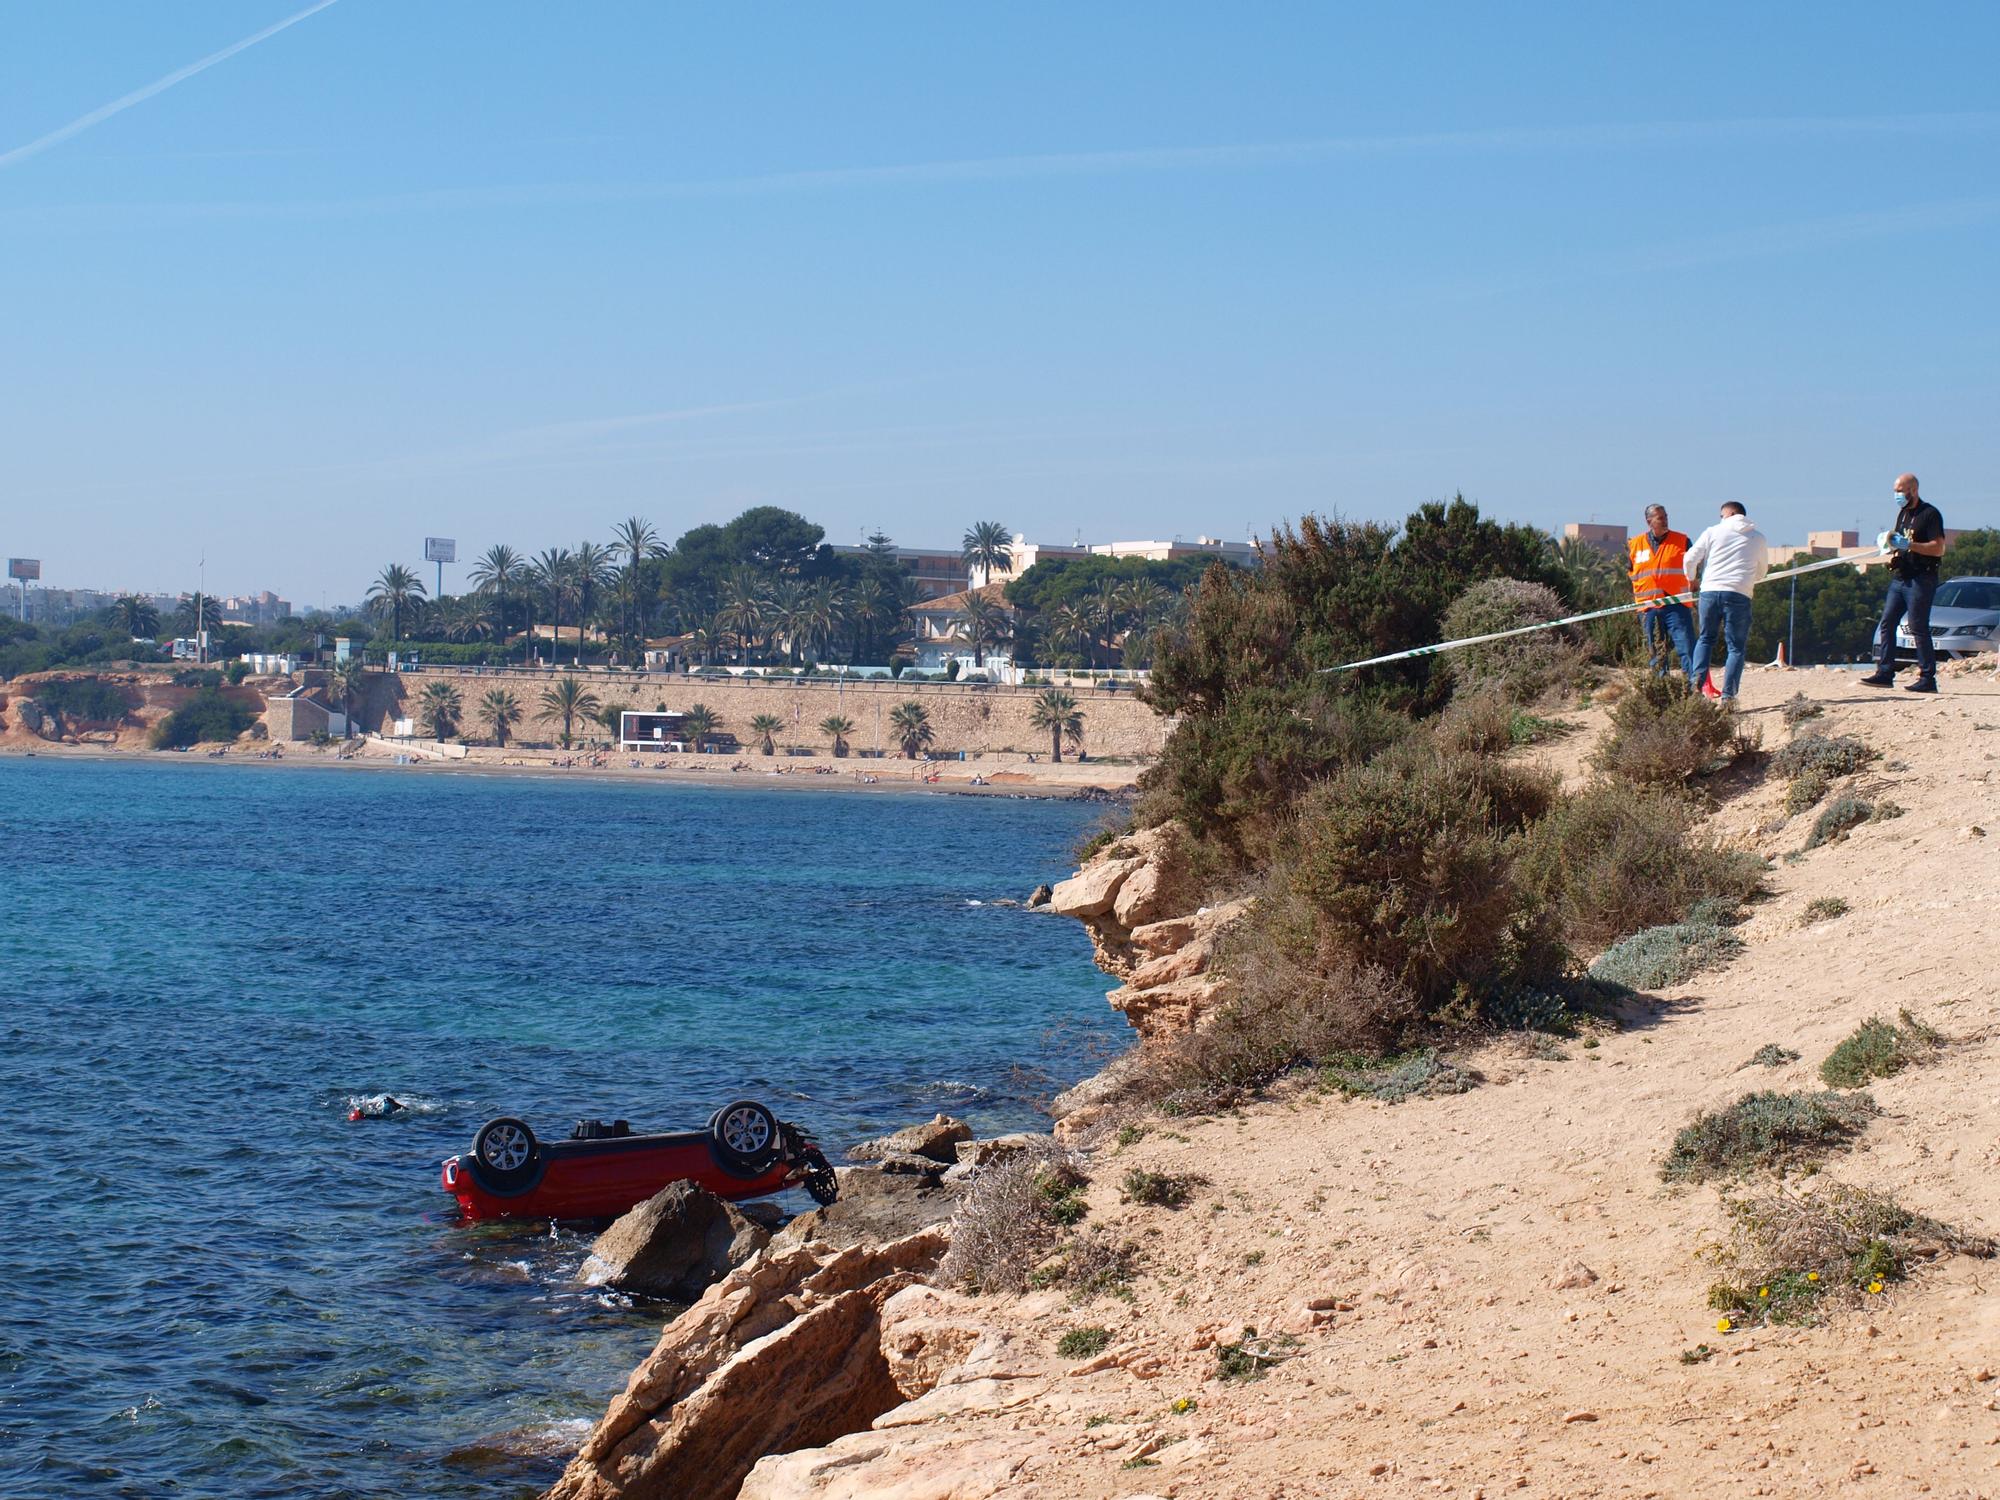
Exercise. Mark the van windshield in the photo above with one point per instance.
(1968, 593)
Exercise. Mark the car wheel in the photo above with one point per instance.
(505, 1150)
(745, 1137)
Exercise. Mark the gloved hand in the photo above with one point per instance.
(1899, 542)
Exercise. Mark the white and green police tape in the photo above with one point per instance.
(1851, 561)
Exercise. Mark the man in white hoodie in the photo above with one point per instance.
(1729, 559)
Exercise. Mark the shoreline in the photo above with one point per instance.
(1087, 788)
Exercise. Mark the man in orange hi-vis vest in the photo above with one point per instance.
(1659, 572)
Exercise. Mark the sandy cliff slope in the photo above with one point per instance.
(1491, 1292)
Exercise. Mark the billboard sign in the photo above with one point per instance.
(24, 567)
(440, 549)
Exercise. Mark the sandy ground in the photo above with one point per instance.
(1435, 1232)
(1000, 775)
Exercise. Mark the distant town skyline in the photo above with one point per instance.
(299, 284)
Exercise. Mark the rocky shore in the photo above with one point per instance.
(1472, 1294)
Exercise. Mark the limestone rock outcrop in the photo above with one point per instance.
(676, 1244)
(936, 1138)
(1135, 899)
(875, 1206)
(785, 1352)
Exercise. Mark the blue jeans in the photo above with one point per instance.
(1670, 622)
(1727, 612)
(1912, 597)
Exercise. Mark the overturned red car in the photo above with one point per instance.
(602, 1170)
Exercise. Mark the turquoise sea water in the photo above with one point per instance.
(215, 1286)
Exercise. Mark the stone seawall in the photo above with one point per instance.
(979, 719)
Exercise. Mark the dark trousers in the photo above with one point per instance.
(1909, 598)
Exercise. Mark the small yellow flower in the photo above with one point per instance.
(1874, 1286)
(1723, 1325)
(1764, 1291)
(1812, 1276)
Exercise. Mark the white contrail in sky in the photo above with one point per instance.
(159, 86)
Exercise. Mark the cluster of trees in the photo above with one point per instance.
(766, 589)
(569, 702)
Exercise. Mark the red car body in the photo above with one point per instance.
(601, 1176)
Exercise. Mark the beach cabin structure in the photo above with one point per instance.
(651, 731)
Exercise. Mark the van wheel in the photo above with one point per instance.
(505, 1150)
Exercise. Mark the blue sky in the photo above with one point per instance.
(511, 272)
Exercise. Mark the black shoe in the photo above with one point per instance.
(1922, 685)
(1876, 679)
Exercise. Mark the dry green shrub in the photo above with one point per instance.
(1765, 1131)
(1157, 1189)
(1613, 860)
(1486, 722)
(1011, 1218)
(1665, 734)
(1844, 814)
(1771, 1055)
(1421, 1074)
(1094, 1264)
(1082, 1343)
(1822, 909)
(1406, 862)
(1793, 1255)
(1831, 756)
(1879, 1049)
(1524, 668)
(1797, 709)
(1284, 1015)
(1661, 957)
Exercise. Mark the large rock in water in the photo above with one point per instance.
(937, 1138)
(676, 1244)
(874, 1207)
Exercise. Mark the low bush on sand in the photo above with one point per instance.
(1250, 1356)
(1844, 814)
(1091, 1264)
(1661, 957)
(1413, 1075)
(1793, 1256)
(1771, 1055)
(1829, 755)
(1613, 860)
(1822, 909)
(1011, 1218)
(1765, 1131)
(1082, 1343)
(1663, 734)
(1157, 1189)
(1880, 1049)
(1798, 709)
(1283, 1016)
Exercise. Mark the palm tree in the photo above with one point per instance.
(438, 709)
(348, 680)
(822, 612)
(788, 616)
(635, 537)
(912, 723)
(397, 589)
(612, 717)
(198, 614)
(568, 700)
(837, 729)
(1056, 711)
(984, 623)
(764, 726)
(595, 568)
(743, 610)
(498, 572)
(499, 711)
(551, 575)
(139, 619)
(986, 550)
(868, 604)
(1067, 630)
(1595, 579)
(698, 723)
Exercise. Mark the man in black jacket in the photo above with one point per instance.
(1916, 543)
